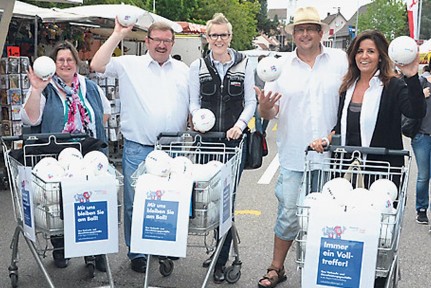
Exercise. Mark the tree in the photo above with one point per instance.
(241, 14)
(387, 16)
(425, 32)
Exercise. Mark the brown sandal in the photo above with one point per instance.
(274, 280)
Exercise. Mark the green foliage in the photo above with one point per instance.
(241, 14)
(387, 16)
(425, 28)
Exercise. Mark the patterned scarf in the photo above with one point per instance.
(78, 119)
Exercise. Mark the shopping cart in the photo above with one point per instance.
(352, 161)
(50, 223)
(205, 220)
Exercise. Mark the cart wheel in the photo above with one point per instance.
(232, 276)
(14, 279)
(166, 267)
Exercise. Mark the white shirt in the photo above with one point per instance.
(249, 94)
(83, 87)
(308, 105)
(154, 98)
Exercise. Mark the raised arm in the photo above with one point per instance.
(104, 54)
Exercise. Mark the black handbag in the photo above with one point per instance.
(254, 150)
(410, 127)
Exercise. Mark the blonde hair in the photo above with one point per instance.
(218, 19)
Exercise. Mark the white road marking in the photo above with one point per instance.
(270, 171)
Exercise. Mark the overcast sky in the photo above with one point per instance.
(347, 7)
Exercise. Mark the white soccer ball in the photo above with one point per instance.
(359, 198)
(76, 168)
(49, 170)
(268, 69)
(67, 155)
(203, 120)
(126, 17)
(181, 166)
(44, 67)
(403, 50)
(158, 163)
(201, 172)
(385, 186)
(338, 189)
(381, 202)
(96, 163)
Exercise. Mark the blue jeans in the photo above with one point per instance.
(133, 154)
(287, 189)
(261, 124)
(422, 149)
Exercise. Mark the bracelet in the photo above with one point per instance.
(326, 140)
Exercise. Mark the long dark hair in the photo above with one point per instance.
(386, 66)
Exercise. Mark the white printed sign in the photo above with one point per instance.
(341, 248)
(26, 191)
(161, 211)
(90, 215)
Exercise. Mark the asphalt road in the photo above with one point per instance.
(256, 209)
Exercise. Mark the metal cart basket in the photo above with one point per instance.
(353, 161)
(47, 208)
(200, 149)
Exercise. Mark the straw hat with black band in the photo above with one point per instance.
(306, 15)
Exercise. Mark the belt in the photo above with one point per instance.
(426, 134)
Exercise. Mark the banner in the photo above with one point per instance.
(90, 215)
(26, 190)
(341, 248)
(412, 15)
(161, 210)
(227, 187)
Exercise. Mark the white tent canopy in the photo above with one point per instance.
(110, 11)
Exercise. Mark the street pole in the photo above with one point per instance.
(154, 6)
(357, 18)
(418, 31)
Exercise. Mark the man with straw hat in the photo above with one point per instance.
(305, 100)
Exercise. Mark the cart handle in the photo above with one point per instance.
(368, 150)
(218, 135)
(42, 136)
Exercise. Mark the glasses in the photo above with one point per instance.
(223, 36)
(309, 29)
(68, 60)
(160, 41)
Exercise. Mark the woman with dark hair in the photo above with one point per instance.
(373, 98)
(66, 103)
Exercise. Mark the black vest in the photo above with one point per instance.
(225, 99)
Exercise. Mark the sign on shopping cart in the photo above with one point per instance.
(341, 248)
(90, 215)
(26, 192)
(161, 210)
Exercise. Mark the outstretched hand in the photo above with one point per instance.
(37, 83)
(266, 102)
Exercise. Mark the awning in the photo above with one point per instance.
(192, 28)
(110, 11)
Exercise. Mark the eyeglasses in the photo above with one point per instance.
(223, 36)
(309, 29)
(160, 41)
(62, 60)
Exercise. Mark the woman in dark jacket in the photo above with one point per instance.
(373, 98)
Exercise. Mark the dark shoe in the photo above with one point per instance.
(421, 216)
(139, 264)
(100, 263)
(173, 258)
(273, 278)
(59, 260)
(207, 262)
(218, 274)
